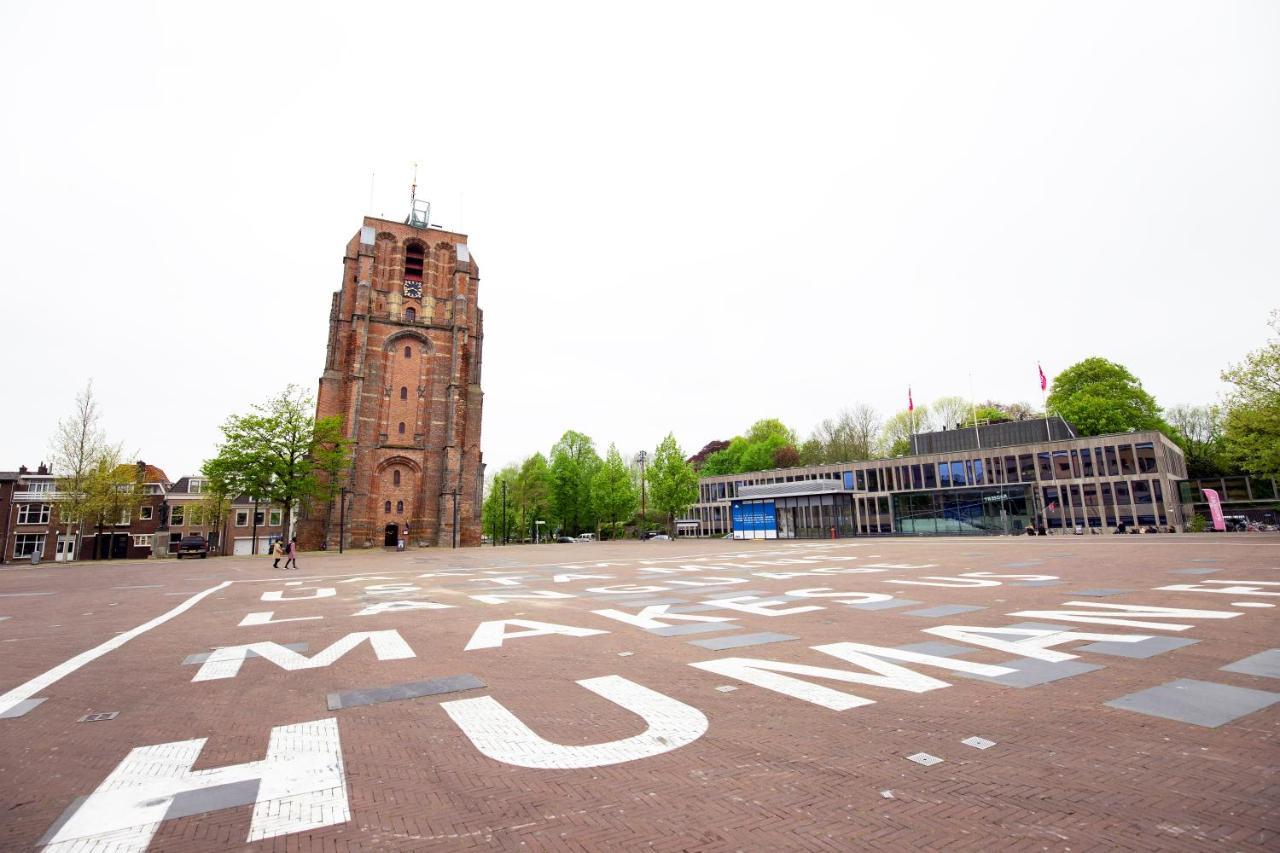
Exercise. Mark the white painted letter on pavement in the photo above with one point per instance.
(501, 735)
(299, 786)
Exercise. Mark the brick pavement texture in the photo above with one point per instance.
(595, 731)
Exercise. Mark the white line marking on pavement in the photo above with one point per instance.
(25, 691)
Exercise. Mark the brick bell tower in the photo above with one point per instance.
(403, 370)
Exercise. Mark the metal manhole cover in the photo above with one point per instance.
(924, 758)
(93, 718)
(978, 742)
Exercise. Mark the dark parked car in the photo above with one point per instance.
(566, 539)
(192, 545)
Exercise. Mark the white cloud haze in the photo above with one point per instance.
(686, 216)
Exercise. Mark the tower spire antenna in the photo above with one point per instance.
(419, 211)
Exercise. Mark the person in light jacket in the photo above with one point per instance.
(293, 553)
(277, 551)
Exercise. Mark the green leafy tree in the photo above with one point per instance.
(848, 437)
(1097, 396)
(673, 484)
(77, 448)
(573, 463)
(612, 490)
(492, 514)
(1252, 429)
(281, 453)
(115, 491)
(727, 461)
(947, 412)
(533, 494)
(811, 452)
(1200, 432)
(895, 435)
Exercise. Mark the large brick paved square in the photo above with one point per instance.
(689, 695)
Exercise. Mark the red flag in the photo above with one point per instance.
(1044, 383)
(911, 406)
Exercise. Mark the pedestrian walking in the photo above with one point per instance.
(277, 551)
(293, 553)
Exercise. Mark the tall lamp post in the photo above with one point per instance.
(642, 455)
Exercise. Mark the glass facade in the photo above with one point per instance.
(1083, 483)
(962, 511)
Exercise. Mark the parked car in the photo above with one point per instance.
(566, 539)
(193, 545)
(659, 537)
(586, 537)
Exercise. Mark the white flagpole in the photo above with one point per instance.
(1044, 397)
(911, 405)
(973, 405)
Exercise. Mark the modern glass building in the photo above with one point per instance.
(991, 480)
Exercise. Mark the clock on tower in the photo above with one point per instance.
(413, 288)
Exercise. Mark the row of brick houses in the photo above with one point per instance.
(30, 523)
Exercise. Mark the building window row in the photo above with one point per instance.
(26, 544)
(1111, 460)
(33, 513)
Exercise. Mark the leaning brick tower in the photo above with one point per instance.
(403, 371)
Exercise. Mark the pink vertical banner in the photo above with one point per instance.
(1215, 509)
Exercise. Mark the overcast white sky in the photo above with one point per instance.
(687, 216)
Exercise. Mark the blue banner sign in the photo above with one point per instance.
(756, 520)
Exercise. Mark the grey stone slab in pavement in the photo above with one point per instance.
(411, 690)
(694, 628)
(1099, 593)
(944, 610)
(1039, 583)
(19, 709)
(737, 640)
(938, 650)
(1146, 649)
(1038, 626)
(1201, 703)
(884, 605)
(201, 657)
(202, 800)
(1192, 571)
(1032, 672)
(734, 593)
(1265, 664)
(653, 602)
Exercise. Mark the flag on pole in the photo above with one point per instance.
(911, 406)
(1044, 383)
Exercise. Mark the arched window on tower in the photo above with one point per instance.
(410, 315)
(399, 507)
(404, 392)
(414, 262)
(399, 429)
(395, 477)
(387, 508)
(408, 351)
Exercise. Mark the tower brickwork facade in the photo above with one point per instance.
(403, 370)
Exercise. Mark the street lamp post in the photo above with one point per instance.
(342, 517)
(643, 455)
